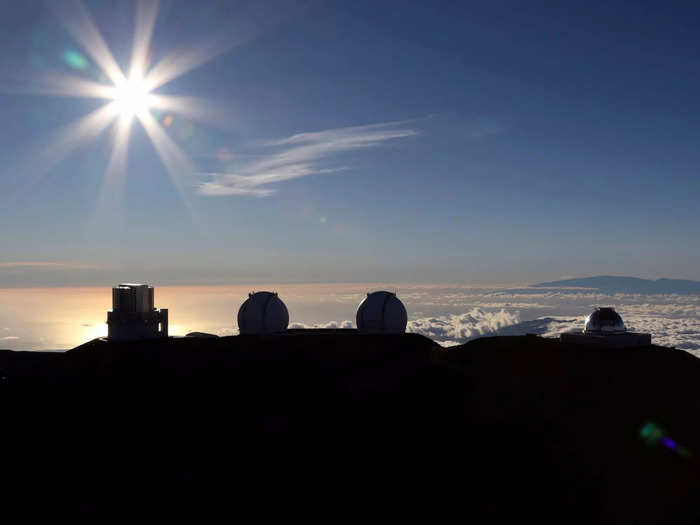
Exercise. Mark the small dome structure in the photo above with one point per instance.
(262, 313)
(381, 312)
(604, 321)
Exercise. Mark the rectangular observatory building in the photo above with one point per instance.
(134, 316)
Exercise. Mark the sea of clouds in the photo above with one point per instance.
(37, 319)
(455, 315)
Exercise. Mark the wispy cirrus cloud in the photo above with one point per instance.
(47, 265)
(298, 156)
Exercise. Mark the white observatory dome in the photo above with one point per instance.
(262, 313)
(604, 321)
(381, 312)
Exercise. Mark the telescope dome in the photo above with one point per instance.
(604, 320)
(262, 313)
(381, 312)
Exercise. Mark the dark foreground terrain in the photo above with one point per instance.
(339, 425)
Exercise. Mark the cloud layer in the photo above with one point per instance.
(673, 320)
(331, 324)
(299, 156)
(462, 327)
(450, 314)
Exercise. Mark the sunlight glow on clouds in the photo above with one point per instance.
(673, 320)
(331, 324)
(448, 314)
(462, 327)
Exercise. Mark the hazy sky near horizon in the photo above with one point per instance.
(481, 142)
(62, 318)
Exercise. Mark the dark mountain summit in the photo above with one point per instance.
(620, 284)
(334, 425)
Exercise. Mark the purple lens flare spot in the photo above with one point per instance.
(669, 443)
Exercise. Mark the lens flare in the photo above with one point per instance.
(128, 93)
(652, 434)
(75, 59)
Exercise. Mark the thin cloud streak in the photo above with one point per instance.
(299, 157)
(47, 264)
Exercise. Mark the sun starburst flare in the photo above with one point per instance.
(129, 95)
(132, 97)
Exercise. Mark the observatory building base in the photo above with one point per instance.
(623, 340)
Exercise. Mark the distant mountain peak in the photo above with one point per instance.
(626, 284)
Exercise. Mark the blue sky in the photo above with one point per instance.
(493, 142)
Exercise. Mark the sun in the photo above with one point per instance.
(132, 97)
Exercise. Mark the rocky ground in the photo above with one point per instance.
(332, 425)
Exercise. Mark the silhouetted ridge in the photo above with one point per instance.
(333, 425)
(619, 284)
